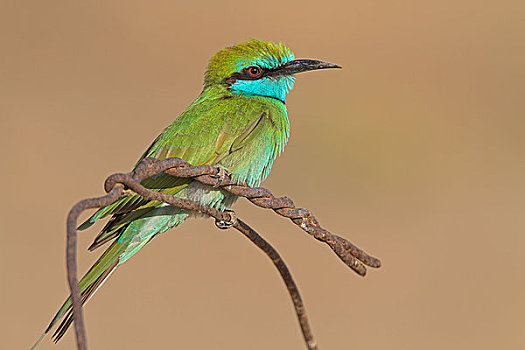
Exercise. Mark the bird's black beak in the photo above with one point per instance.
(298, 66)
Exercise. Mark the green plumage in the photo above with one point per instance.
(238, 122)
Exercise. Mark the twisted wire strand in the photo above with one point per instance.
(118, 184)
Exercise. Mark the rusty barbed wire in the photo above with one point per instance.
(118, 184)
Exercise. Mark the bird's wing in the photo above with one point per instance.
(199, 139)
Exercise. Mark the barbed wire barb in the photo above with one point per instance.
(118, 184)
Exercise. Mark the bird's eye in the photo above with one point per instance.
(254, 71)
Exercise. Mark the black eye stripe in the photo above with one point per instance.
(243, 74)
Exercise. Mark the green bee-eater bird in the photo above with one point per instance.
(238, 122)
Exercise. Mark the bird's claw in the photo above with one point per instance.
(223, 225)
(222, 175)
(127, 192)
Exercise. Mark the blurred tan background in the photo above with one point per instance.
(425, 122)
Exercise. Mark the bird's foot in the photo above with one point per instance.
(223, 225)
(127, 192)
(222, 176)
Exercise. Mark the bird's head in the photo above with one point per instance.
(258, 68)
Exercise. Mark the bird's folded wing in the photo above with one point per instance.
(205, 140)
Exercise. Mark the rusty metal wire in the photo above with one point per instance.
(117, 185)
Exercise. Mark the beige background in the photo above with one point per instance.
(425, 123)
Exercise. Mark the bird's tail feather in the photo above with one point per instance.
(117, 253)
(85, 296)
(88, 285)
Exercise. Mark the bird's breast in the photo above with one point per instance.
(251, 163)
